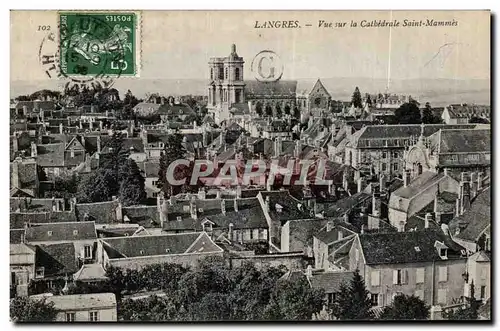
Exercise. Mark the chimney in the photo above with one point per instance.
(230, 232)
(329, 226)
(298, 148)
(406, 178)
(235, 204)
(465, 203)
(223, 206)
(25, 110)
(446, 172)
(331, 188)
(33, 149)
(428, 218)
(457, 207)
(362, 228)
(346, 218)
(98, 144)
(100, 125)
(119, 212)
(163, 212)
(479, 181)
(91, 125)
(218, 194)
(192, 209)
(61, 129)
(238, 192)
(15, 143)
(202, 195)
(80, 124)
(15, 174)
(309, 272)
(361, 184)
(205, 138)
(473, 185)
(267, 203)
(436, 203)
(345, 183)
(438, 217)
(376, 203)
(382, 182)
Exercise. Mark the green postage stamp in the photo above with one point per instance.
(98, 43)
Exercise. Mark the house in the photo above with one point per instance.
(136, 252)
(106, 212)
(24, 181)
(380, 148)
(330, 282)
(462, 113)
(332, 242)
(457, 150)
(239, 220)
(297, 235)
(472, 227)
(90, 274)
(414, 195)
(82, 235)
(95, 307)
(479, 274)
(22, 268)
(424, 263)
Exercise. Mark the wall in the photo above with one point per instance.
(105, 315)
(480, 274)
(139, 262)
(291, 261)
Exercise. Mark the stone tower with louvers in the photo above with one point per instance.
(226, 86)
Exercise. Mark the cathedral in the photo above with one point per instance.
(227, 90)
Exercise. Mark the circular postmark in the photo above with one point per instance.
(267, 66)
(88, 50)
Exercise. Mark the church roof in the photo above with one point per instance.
(283, 88)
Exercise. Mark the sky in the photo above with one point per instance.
(179, 44)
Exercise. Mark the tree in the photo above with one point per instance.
(356, 99)
(173, 150)
(288, 110)
(132, 186)
(368, 100)
(294, 300)
(278, 110)
(98, 186)
(427, 115)
(269, 110)
(24, 309)
(406, 307)
(296, 113)
(467, 312)
(353, 301)
(408, 113)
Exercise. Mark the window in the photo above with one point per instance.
(154, 182)
(87, 252)
(75, 232)
(419, 294)
(155, 194)
(443, 274)
(484, 273)
(49, 233)
(251, 234)
(356, 254)
(395, 155)
(474, 157)
(93, 316)
(374, 299)
(70, 317)
(72, 153)
(185, 208)
(375, 278)
(420, 275)
(237, 74)
(400, 277)
(40, 272)
(442, 296)
(395, 166)
(483, 292)
(50, 284)
(211, 73)
(443, 252)
(221, 74)
(384, 167)
(226, 73)
(384, 155)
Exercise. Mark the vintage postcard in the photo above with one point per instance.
(250, 166)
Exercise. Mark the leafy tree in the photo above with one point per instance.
(24, 309)
(467, 312)
(294, 300)
(408, 113)
(98, 186)
(427, 115)
(296, 112)
(406, 307)
(356, 100)
(173, 150)
(369, 100)
(288, 110)
(278, 110)
(153, 308)
(353, 301)
(132, 186)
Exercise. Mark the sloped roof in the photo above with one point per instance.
(343, 206)
(56, 258)
(469, 111)
(99, 212)
(147, 216)
(16, 236)
(289, 206)
(79, 302)
(149, 245)
(331, 281)
(406, 130)
(61, 231)
(465, 141)
(50, 155)
(400, 247)
(90, 272)
(418, 184)
(255, 88)
(475, 220)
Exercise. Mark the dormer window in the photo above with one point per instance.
(40, 272)
(279, 208)
(141, 252)
(417, 249)
(167, 250)
(72, 153)
(443, 252)
(179, 218)
(75, 232)
(49, 233)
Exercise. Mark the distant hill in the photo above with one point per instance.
(438, 92)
